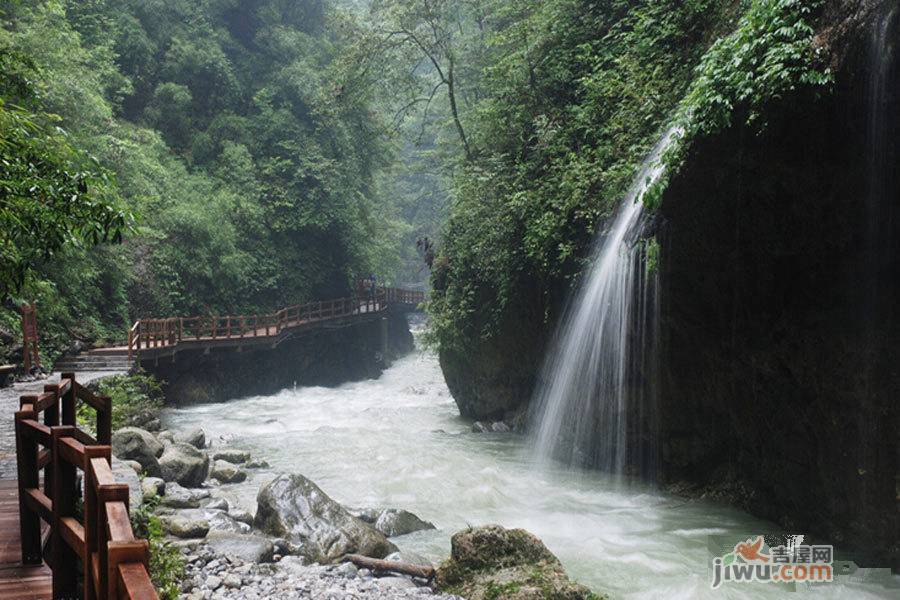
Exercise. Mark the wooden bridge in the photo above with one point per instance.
(43, 539)
(152, 338)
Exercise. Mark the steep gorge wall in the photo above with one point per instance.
(779, 316)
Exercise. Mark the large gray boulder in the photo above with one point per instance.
(125, 474)
(396, 521)
(226, 472)
(134, 443)
(222, 521)
(177, 496)
(184, 464)
(186, 524)
(485, 559)
(233, 455)
(195, 437)
(293, 507)
(247, 547)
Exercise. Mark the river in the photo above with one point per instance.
(398, 441)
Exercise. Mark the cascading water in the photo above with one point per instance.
(594, 401)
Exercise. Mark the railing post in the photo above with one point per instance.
(117, 492)
(51, 419)
(27, 472)
(104, 421)
(65, 559)
(68, 401)
(92, 534)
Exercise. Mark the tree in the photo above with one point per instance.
(51, 195)
(434, 35)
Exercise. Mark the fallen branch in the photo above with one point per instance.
(378, 565)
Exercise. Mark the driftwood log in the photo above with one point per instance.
(378, 565)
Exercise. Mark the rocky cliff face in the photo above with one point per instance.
(780, 290)
(780, 279)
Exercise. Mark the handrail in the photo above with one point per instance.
(115, 563)
(167, 332)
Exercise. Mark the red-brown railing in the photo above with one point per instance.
(157, 333)
(115, 563)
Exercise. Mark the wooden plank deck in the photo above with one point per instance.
(17, 581)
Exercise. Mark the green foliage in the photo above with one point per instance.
(769, 55)
(166, 561)
(239, 133)
(575, 93)
(135, 399)
(52, 196)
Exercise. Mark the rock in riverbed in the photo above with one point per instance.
(227, 472)
(133, 443)
(485, 561)
(185, 525)
(293, 507)
(177, 496)
(185, 464)
(233, 455)
(392, 521)
(195, 437)
(248, 548)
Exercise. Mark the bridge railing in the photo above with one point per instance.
(156, 333)
(115, 563)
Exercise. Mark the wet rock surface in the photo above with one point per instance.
(134, 443)
(293, 507)
(392, 521)
(184, 464)
(493, 562)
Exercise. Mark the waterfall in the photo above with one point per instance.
(593, 405)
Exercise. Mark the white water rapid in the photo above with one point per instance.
(398, 441)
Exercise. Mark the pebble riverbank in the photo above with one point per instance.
(212, 576)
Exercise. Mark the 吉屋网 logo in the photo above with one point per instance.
(753, 561)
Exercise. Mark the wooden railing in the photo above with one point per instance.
(115, 563)
(156, 333)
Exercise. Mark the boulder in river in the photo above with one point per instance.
(185, 524)
(153, 486)
(177, 496)
(195, 437)
(233, 455)
(125, 474)
(185, 464)
(485, 561)
(133, 443)
(220, 520)
(227, 472)
(293, 507)
(392, 521)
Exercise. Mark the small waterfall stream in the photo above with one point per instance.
(593, 404)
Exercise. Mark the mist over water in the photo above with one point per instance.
(398, 441)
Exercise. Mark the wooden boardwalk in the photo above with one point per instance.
(154, 338)
(17, 581)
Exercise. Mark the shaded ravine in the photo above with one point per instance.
(398, 441)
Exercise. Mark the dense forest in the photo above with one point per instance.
(233, 147)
